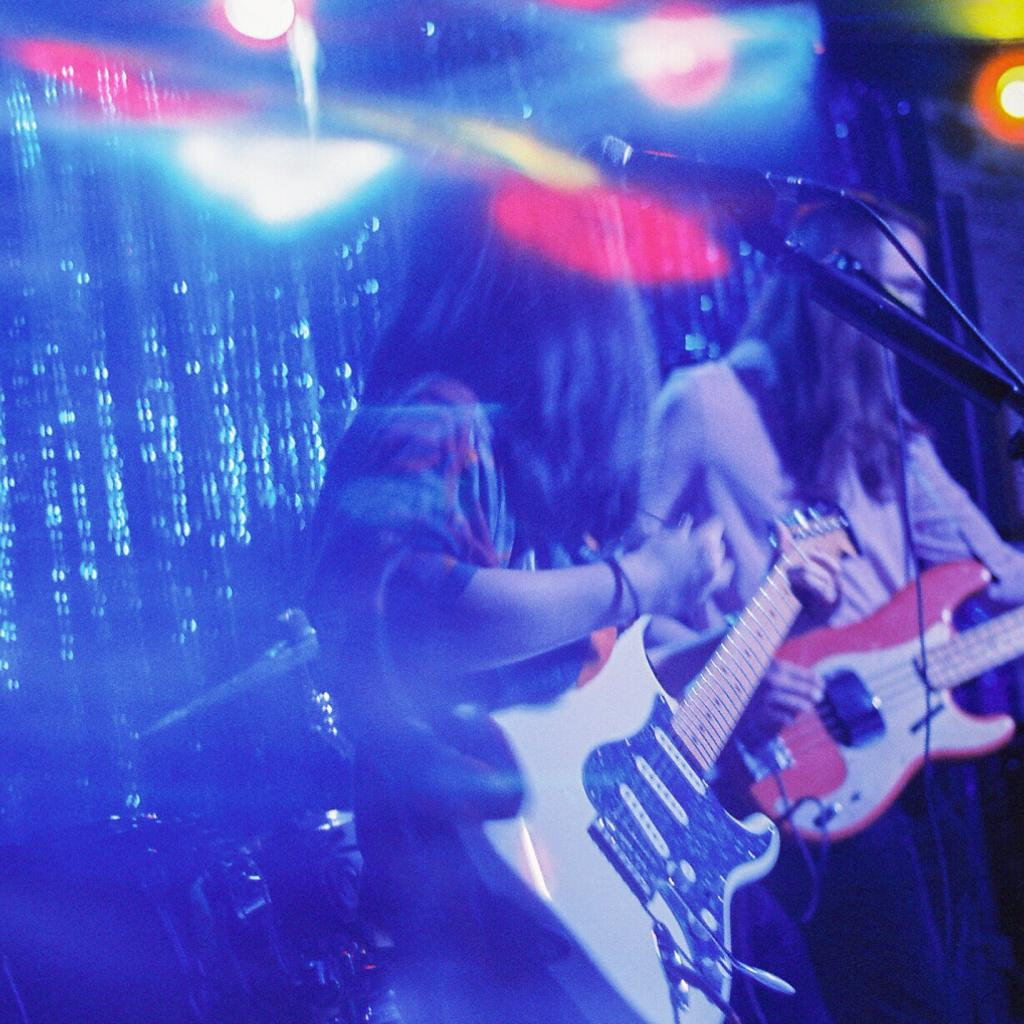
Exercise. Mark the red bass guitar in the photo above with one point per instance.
(836, 768)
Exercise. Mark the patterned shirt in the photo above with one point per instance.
(413, 507)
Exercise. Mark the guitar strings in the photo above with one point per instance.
(904, 677)
(809, 732)
(903, 680)
(701, 715)
(893, 686)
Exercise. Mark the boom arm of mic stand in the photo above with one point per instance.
(889, 322)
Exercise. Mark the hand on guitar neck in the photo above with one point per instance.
(677, 653)
(677, 567)
(787, 689)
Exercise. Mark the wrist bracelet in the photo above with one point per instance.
(623, 585)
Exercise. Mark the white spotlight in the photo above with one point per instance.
(282, 180)
(260, 19)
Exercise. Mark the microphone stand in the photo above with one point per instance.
(841, 286)
(845, 289)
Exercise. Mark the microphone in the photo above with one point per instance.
(750, 196)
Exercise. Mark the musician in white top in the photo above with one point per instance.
(803, 410)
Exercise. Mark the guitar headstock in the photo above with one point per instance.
(820, 529)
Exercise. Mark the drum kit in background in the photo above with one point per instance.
(243, 916)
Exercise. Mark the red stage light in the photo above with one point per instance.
(998, 96)
(609, 234)
(119, 82)
(585, 5)
(1011, 92)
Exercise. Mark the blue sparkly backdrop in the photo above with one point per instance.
(168, 383)
(172, 377)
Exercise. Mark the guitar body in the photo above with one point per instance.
(840, 766)
(618, 826)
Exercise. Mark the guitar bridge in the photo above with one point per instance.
(769, 758)
(825, 815)
(616, 848)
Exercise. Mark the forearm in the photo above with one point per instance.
(500, 616)
(946, 523)
(507, 615)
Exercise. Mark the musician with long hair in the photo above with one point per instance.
(805, 409)
(468, 556)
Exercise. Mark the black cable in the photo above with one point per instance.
(815, 869)
(911, 568)
(752, 996)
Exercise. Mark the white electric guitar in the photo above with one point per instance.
(620, 833)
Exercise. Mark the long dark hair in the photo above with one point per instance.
(565, 364)
(824, 388)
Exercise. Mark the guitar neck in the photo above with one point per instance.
(717, 698)
(978, 649)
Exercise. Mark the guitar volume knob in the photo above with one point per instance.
(685, 873)
(709, 920)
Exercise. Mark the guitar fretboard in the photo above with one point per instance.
(717, 698)
(977, 649)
